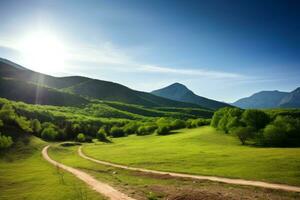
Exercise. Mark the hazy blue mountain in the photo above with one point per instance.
(292, 100)
(180, 92)
(271, 99)
(78, 86)
(263, 99)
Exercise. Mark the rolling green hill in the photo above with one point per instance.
(87, 87)
(37, 94)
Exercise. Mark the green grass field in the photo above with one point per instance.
(202, 151)
(24, 174)
(143, 186)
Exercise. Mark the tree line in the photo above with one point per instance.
(276, 128)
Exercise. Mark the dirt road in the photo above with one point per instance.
(211, 178)
(96, 185)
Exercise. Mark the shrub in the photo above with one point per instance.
(163, 130)
(131, 128)
(50, 133)
(177, 124)
(36, 126)
(117, 132)
(146, 129)
(80, 137)
(5, 141)
(101, 135)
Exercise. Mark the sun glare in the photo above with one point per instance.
(43, 52)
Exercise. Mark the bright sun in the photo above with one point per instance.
(43, 52)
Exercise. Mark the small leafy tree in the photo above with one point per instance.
(81, 137)
(117, 132)
(50, 133)
(36, 126)
(101, 135)
(163, 130)
(243, 133)
(177, 124)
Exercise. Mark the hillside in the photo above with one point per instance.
(180, 92)
(271, 99)
(82, 86)
(36, 94)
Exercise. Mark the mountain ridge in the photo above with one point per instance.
(271, 99)
(180, 92)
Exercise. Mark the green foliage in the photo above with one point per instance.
(49, 133)
(81, 137)
(178, 124)
(36, 126)
(146, 129)
(257, 119)
(101, 135)
(193, 123)
(131, 127)
(267, 128)
(5, 141)
(244, 133)
(283, 132)
(117, 132)
(163, 130)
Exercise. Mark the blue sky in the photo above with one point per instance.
(223, 50)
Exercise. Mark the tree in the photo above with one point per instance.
(163, 130)
(243, 133)
(5, 141)
(117, 132)
(101, 135)
(255, 118)
(36, 126)
(283, 132)
(81, 137)
(177, 124)
(49, 133)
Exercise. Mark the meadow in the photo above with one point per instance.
(140, 185)
(202, 151)
(24, 174)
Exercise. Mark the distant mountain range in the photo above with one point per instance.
(180, 92)
(271, 99)
(21, 84)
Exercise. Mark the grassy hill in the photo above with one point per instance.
(37, 94)
(202, 151)
(82, 86)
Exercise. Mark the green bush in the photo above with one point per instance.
(178, 124)
(131, 128)
(80, 137)
(5, 141)
(146, 129)
(36, 126)
(117, 132)
(50, 133)
(284, 131)
(163, 130)
(101, 135)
